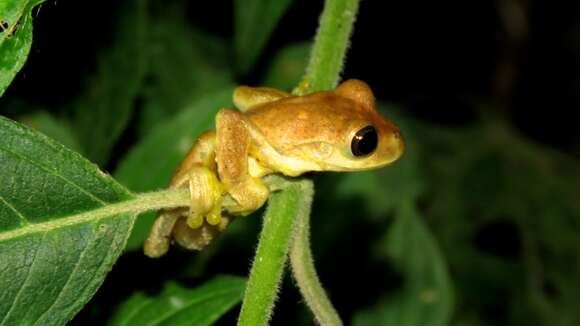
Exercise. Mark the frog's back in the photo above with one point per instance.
(317, 117)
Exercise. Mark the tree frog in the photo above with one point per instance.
(271, 132)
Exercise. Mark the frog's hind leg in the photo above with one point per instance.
(157, 244)
(198, 173)
(246, 98)
(198, 238)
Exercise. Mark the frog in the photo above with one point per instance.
(271, 132)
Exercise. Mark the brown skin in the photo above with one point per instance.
(274, 133)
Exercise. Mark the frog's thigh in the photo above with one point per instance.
(159, 238)
(232, 157)
(247, 97)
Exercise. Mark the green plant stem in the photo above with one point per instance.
(303, 265)
(271, 256)
(289, 209)
(323, 72)
(330, 46)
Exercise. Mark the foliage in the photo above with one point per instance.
(178, 305)
(53, 259)
(469, 215)
(15, 38)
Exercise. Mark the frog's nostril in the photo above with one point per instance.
(397, 134)
(398, 143)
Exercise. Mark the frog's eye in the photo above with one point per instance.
(364, 141)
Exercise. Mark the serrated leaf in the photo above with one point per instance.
(255, 21)
(426, 297)
(57, 129)
(179, 305)
(15, 38)
(102, 112)
(184, 65)
(287, 67)
(54, 253)
(160, 152)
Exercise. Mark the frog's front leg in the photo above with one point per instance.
(198, 173)
(232, 153)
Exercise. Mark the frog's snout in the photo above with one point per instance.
(397, 147)
(401, 141)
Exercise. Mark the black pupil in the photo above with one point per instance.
(364, 141)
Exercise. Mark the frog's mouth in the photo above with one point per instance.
(388, 151)
(357, 164)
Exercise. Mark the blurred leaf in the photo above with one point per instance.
(15, 37)
(490, 176)
(255, 21)
(287, 67)
(426, 297)
(103, 111)
(150, 164)
(54, 128)
(185, 64)
(178, 305)
(52, 256)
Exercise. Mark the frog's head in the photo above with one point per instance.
(363, 138)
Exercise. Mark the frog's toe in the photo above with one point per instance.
(194, 219)
(214, 217)
(193, 239)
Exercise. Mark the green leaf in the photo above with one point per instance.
(255, 21)
(54, 128)
(15, 38)
(102, 112)
(288, 66)
(179, 305)
(184, 65)
(53, 253)
(426, 297)
(160, 152)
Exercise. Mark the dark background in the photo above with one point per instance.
(440, 59)
(444, 64)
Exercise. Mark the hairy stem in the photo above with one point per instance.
(271, 255)
(323, 72)
(289, 209)
(330, 46)
(303, 265)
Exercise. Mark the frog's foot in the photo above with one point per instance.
(249, 195)
(203, 215)
(206, 192)
(199, 238)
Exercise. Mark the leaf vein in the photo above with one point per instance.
(12, 208)
(28, 273)
(132, 314)
(98, 271)
(55, 173)
(67, 281)
(142, 203)
(210, 296)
